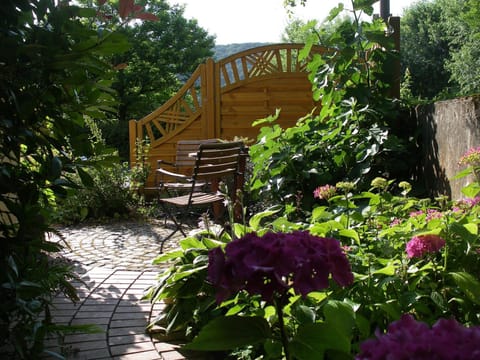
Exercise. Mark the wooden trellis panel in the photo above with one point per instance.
(221, 100)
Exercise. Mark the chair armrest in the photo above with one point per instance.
(172, 174)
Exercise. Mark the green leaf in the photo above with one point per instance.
(350, 233)
(211, 243)
(340, 316)
(471, 190)
(191, 243)
(85, 177)
(335, 11)
(257, 218)
(304, 314)
(239, 230)
(268, 120)
(12, 264)
(168, 256)
(182, 274)
(471, 228)
(364, 5)
(463, 173)
(468, 284)
(438, 300)
(467, 233)
(87, 12)
(230, 332)
(312, 340)
(56, 167)
(389, 269)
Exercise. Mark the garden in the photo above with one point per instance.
(338, 253)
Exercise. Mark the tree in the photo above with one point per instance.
(162, 56)
(298, 31)
(424, 49)
(462, 26)
(440, 47)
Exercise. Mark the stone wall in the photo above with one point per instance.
(449, 128)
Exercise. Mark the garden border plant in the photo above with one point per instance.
(408, 256)
(54, 75)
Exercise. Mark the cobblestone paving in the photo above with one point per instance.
(115, 263)
(120, 245)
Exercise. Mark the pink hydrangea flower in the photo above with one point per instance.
(410, 339)
(395, 222)
(416, 213)
(471, 157)
(324, 192)
(469, 202)
(275, 262)
(433, 214)
(421, 245)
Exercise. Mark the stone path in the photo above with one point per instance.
(114, 262)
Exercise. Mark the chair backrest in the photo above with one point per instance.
(217, 160)
(185, 148)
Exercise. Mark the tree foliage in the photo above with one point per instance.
(440, 48)
(162, 56)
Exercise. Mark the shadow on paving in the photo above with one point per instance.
(110, 300)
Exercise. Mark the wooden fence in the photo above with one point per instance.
(222, 99)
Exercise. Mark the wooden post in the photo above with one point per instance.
(208, 92)
(385, 10)
(132, 136)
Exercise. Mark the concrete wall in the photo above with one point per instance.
(449, 128)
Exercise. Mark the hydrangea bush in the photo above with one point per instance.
(410, 339)
(296, 288)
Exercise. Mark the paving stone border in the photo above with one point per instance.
(114, 261)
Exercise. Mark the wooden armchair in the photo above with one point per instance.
(214, 162)
(173, 178)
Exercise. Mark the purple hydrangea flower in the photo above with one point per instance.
(409, 339)
(275, 262)
(418, 246)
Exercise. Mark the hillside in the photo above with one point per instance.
(223, 51)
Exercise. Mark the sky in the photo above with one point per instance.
(240, 21)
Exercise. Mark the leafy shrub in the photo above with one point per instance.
(109, 195)
(408, 256)
(53, 77)
(353, 136)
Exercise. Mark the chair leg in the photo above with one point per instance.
(178, 226)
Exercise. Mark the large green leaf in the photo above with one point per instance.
(468, 284)
(312, 340)
(350, 233)
(230, 332)
(335, 11)
(257, 218)
(471, 190)
(340, 315)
